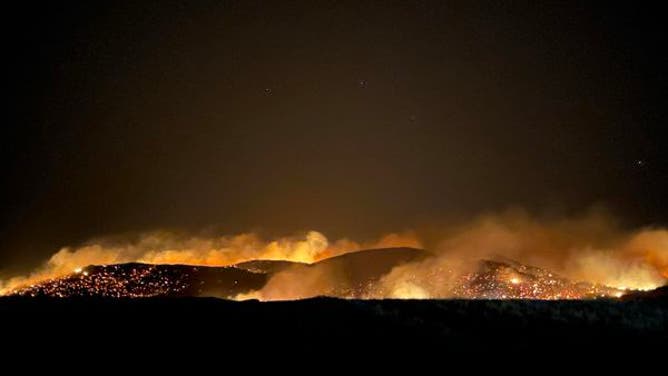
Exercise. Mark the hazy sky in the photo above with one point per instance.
(351, 119)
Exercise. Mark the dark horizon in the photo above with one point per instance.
(349, 118)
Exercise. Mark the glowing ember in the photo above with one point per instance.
(535, 283)
(579, 258)
(141, 280)
(249, 281)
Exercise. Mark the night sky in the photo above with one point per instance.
(350, 118)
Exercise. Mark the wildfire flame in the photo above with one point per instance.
(589, 249)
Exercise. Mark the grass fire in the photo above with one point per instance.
(505, 256)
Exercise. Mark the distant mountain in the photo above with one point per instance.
(351, 275)
(144, 280)
(358, 271)
(265, 266)
(371, 262)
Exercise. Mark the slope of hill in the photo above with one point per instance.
(142, 280)
(352, 275)
(507, 279)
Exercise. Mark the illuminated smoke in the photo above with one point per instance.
(590, 248)
(300, 281)
(163, 247)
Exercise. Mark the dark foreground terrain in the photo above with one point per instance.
(513, 329)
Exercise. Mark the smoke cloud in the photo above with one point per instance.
(163, 247)
(589, 248)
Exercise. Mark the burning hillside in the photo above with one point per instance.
(511, 280)
(360, 275)
(146, 280)
(500, 256)
(135, 280)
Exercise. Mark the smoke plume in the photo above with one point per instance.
(589, 248)
(164, 247)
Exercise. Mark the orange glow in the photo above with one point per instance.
(576, 258)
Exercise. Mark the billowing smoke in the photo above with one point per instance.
(591, 248)
(164, 247)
